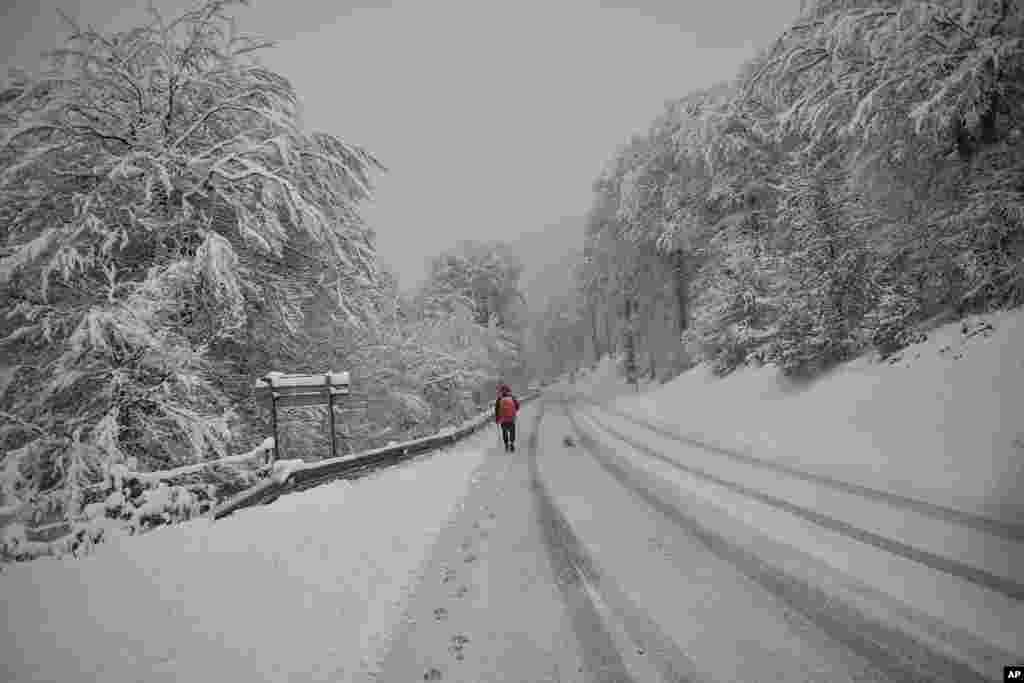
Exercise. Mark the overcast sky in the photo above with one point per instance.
(493, 117)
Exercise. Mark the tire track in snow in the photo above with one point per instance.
(583, 586)
(897, 654)
(1006, 586)
(1009, 530)
(600, 655)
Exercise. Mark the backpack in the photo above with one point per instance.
(506, 409)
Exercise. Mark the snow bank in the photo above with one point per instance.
(941, 421)
(307, 589)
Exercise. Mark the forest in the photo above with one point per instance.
(170, 230)
(858, 182)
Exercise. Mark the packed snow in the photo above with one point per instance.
(707, 592)
(989, 616)
(308, 588)
(939, 421)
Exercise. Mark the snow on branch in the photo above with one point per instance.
(154, 186)
(258, 454)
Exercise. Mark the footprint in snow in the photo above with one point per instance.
(458, 645)
(440, 614)
(433, 674)
(449, 574)
(471, 558)
(461, 592)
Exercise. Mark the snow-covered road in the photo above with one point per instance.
(658, 580)
(898, 613)
(488, 608)
(581, 557)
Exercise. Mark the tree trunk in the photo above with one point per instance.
(962, 139)
(609, 346)
(989, 133)
(629, 344)
(594, 333)
(681, 288)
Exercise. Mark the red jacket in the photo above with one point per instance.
(498, 417)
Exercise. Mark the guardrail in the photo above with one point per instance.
(289, 478)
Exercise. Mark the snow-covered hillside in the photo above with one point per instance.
(940, 421)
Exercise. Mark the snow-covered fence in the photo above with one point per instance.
(256, 455)
(129, 502)
(295, 475)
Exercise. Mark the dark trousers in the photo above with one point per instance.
(508, 433)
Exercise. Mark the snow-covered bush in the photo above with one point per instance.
(890, 324)
(131, 502)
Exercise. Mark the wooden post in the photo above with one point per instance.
(276, 453)
(330, 414)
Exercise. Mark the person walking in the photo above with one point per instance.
(506, 407)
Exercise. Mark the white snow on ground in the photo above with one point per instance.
(308, 588)
(688, 592)
(943, 423)
(940, 422)
(989, 616)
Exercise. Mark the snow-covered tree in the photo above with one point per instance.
(483, 275)
(951, 68)
(825, 272)
(736, 300)
(157, 190)
(560, 332)
(921, 101)
(859, 175)
(889, 325)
